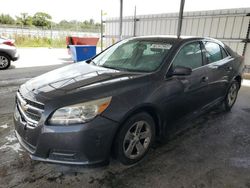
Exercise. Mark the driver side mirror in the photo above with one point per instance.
(181, 71)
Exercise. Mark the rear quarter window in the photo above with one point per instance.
(223, 53)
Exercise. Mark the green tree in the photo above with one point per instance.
(91, 22)
(64, 24)
(42, 19)
(24, 19)
(73, 24)
(6, 19)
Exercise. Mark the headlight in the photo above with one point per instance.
(79, 113)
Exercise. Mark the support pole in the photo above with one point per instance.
(51, 35)
(120, 22)
(135, 20)
(101, 31)
(180, 18)
(247, 40)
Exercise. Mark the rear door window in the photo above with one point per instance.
(223, 53)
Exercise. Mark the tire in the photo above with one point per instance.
(4, 61)
(134, 139)
(231, 96)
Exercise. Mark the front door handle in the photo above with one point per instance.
(204, 79)
(229, 68)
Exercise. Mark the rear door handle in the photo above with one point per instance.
(204, 79)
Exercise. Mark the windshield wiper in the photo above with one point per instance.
(91, 61)
(115, 68)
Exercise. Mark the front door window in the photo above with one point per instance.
(189, 56)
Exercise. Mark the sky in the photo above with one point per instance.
(86, 9)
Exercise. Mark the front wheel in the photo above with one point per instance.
(134, 139)
(231, 96)
(4, 61)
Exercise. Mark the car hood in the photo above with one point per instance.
(74, 76)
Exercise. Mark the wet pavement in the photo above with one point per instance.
(213, 152)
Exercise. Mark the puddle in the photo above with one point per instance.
(15, 147)
(5, 126)
(246, 110)
(240, 162)
(11, 138)
(8, 89)
(11, 144)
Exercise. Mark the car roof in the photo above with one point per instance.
(175, 39)
(182, 37)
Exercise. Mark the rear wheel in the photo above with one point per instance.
(4, 61)
(135, 138)
(231, 96)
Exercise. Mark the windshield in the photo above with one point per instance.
(134, 55)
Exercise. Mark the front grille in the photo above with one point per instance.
(30, 111)
(32, 103)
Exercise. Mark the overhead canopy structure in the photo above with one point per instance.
(179, 20)
(229, 25)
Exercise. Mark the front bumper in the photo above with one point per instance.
(82, 144)
(16, 57)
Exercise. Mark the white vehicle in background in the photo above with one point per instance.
(8, 52)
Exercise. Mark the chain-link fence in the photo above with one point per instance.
(54, 32)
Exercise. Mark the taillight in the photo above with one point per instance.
(9, 43)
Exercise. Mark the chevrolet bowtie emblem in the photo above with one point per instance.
(24, 106)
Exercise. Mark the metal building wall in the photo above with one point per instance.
(228, 25)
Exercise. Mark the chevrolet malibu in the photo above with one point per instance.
(118, 103)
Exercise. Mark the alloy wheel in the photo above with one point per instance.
(3, 62)
(232, 94)
(137, 140)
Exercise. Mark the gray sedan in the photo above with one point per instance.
(138, 91)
